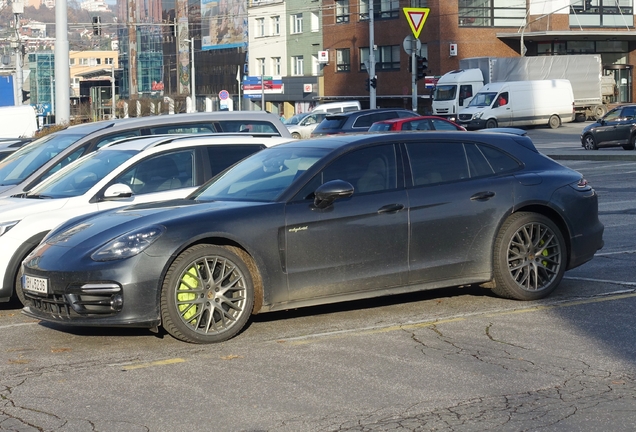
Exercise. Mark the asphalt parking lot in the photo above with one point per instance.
(457, 359)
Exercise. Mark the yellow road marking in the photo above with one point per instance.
(153, 364)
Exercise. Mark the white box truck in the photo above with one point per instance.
(591, 88)
(520, 103)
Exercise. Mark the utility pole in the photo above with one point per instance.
(62, 72)
(18, 9)
(371, 68)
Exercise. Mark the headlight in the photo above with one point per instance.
(6, 226)
(129, 244)
(478, 115)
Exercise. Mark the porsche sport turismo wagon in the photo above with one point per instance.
(321, 221)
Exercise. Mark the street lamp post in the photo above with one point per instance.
(192, 71)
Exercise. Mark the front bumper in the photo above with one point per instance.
(473, 124)
(122, 293)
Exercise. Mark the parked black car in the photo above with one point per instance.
(358, 121)
(616, 128)
(322, 221)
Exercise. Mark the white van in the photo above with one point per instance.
(337, 107)
(520, 103)
(18, 122)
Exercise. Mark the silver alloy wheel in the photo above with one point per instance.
(211, 295)
(534, 257)
(589, 143)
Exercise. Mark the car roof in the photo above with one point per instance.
(87, 128)
(359, 139)
(366, 111)
(177, 141)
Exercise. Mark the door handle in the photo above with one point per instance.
(482, 196)
(391, 208)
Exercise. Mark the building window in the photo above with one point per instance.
(276, 25)
(108, 61)
(83, 62)
(382, 9)
(342, 11)
(260, 27)
(343, 60)
(261, 65)
(598, 13)
(297, 23)
(276, 65)
(315, 22)
(98, 61)
(71, 61)
(492, 13)
(388, 57)
(297, 66)
(419, 3)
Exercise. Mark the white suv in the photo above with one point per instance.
(134, 171)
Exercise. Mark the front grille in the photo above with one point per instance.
(441, 110)
(465, 117)
(82, 301)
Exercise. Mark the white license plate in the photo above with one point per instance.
(35, 284)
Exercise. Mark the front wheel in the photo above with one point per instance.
(208, 294)
(589, 143)
(491, 123)
(295, 135)
(529, 258)
(554, 122)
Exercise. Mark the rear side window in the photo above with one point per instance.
(498, 161)
(433, 163)
(247, 126)
(333, 122)
(223, 156)
(365, 121)
(442, 125)
(195, 128)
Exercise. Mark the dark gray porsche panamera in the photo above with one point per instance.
(320, 221)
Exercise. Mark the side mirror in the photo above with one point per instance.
(327, 193)
(118, 190)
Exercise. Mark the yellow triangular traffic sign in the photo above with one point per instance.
(416, 18)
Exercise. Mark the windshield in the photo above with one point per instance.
(27, 159)
(262, 176)
(483, 99)
(293, 120)
(380, 127)
(444, 92)
(79, 177)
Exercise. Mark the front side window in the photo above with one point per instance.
(343, 61)
(492, 13)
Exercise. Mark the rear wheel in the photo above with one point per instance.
(295, 135)
(208, 294)
(599, 111)
(632, 143)
(589, 143)
(554, 122)
(529, 257)
(491, 123)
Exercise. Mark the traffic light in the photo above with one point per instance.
(25, 95)
(374, 82)
(422, 65)
(367, 84)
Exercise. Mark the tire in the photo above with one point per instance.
(554, 122)
(599, 111)
(18, 288)
(589, 143)
(198, 309)
(580, 118)
(632, 143)
(295, 135)
(491, 123)
(529, 257)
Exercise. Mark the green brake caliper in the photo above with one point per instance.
(188, 281)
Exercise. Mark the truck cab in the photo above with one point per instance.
(454, 90)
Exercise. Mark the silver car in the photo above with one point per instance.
(306, 125)
(37, 160)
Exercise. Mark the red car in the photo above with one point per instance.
(415, 123)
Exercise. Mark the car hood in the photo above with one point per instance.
(591, 126)
(17, 208)
(97, 228)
